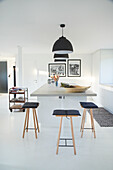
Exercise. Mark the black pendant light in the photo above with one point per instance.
(62, 45)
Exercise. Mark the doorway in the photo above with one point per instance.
(3, 77)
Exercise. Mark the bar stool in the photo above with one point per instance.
(90, 106)
(70, 114)
(33, 106)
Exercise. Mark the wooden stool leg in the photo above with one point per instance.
(82, 120)
(93, 123)
(73, 135)
(37, 121)
(27, 120)
(25, 123)
(34, 122)
(83, 123)
(59, 135)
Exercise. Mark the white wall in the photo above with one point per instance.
(86, 64)
(106, 70)
(11, 63)
(104, 93)
(19, 67)
(35, 70)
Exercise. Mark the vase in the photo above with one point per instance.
(56, 83)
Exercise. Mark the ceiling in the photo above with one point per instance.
(34, 24)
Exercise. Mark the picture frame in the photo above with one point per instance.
(57, 68)
(74, 68)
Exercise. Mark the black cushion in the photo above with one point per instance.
(30, 105)
(66, 112)
(88, 105)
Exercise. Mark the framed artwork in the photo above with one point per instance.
(57, 68)
(74, 67)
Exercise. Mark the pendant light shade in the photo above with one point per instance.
(58, 56)
(62, 45)
(61, 60)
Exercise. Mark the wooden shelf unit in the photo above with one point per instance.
(16, 102)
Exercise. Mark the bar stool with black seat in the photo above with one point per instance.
(70, 114)
(88, 106)
(33, 106)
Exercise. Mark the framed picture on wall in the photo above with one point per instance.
(74, 68)
(57, 68)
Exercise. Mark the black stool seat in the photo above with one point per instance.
(88, 105)
(30, 105)
(66, 112)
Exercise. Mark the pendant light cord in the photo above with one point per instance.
(62, 26)
(62, 31)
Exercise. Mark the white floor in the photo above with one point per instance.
(29, 153)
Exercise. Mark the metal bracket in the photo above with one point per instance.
(65, 145)
(30, 128)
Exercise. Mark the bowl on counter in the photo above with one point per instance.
(74, 88)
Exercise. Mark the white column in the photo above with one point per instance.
(19, 67)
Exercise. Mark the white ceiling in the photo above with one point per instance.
(34, 24)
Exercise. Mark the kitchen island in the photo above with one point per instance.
(51, 97)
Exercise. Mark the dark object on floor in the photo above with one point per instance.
(103, 117)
